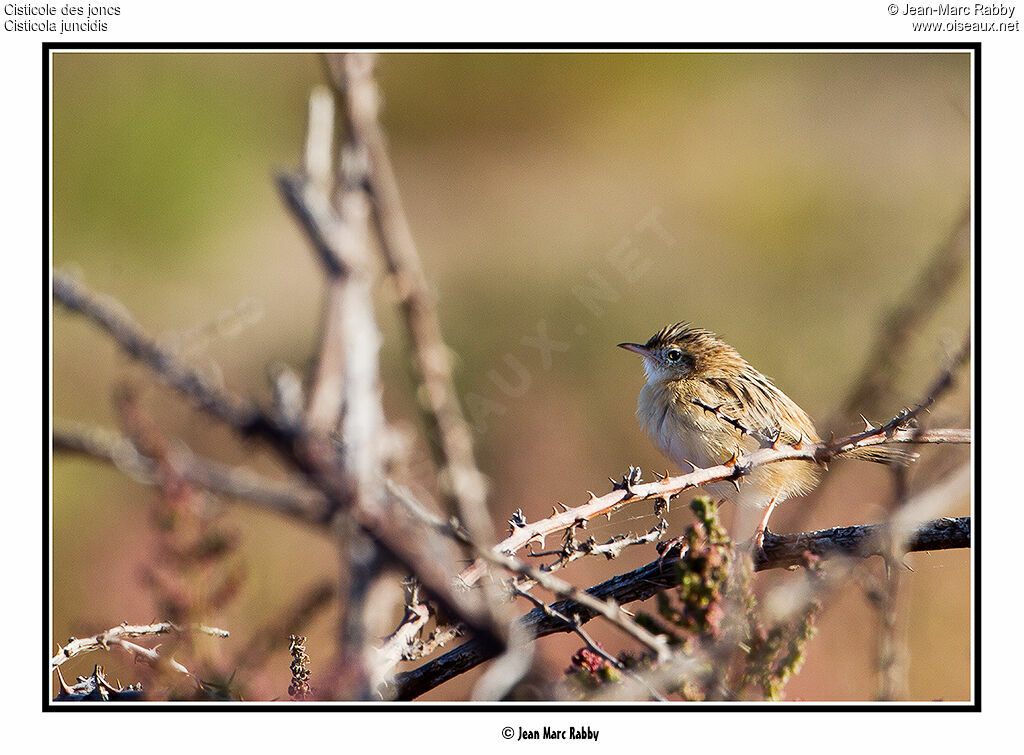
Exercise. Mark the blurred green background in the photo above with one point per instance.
(782, 200)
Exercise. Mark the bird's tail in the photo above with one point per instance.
(882, 455)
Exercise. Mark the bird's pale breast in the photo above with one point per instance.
(686, 434)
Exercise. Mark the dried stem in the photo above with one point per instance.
(462, 484)
(345, 394)
(289, 620)
(299, 689)
(111, 316)
(291, 498)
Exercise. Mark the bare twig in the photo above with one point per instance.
(944, 380)
(118, 636)
(345, 393)
(523, 533)
(576, 626)
(400, 644)
(462, 484)
(891, 646)
(911, 309)
(606, 608)
(290, 498)
(543, 577)
(96, 687)
(111, 317)
(572, 549)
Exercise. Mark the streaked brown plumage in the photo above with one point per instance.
(684, 364)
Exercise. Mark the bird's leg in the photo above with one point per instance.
(762, 527)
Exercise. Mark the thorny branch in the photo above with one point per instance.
(661, 492)
(400, 645)
(780, 551)
(461, 484)
(734, 469)
(96, 687)
(119, 637)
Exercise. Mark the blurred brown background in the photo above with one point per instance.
(781, 200)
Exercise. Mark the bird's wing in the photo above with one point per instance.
(753, 400)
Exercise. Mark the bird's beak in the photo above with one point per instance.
(636, 348)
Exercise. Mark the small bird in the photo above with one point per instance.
(703, 404)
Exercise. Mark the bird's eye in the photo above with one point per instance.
(674, 355)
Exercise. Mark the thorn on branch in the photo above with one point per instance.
(631, 478)
(517, 520)
(96, 687)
